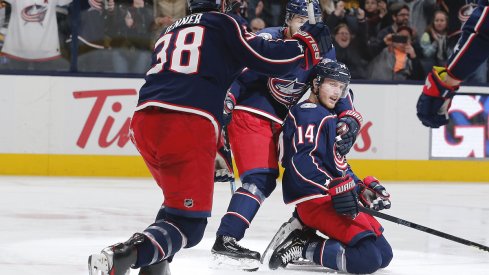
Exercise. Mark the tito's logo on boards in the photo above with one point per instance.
(466, 135)
(104, 113)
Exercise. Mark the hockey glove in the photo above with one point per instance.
(373, 195)
(434, 102)
(343, 195)
(229, 103)
(317, 40)
(347, 130)
(223, 164)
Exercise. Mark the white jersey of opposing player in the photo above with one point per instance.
(33, 31)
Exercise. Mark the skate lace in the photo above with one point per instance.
(293, 253)
(233, 241)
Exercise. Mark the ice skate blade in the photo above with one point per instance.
(220, 261)
(98, 264)
(279, 237)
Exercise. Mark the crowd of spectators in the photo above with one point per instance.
(377, 39)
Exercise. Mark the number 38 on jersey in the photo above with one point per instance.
(179, 52)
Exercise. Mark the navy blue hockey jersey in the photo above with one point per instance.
(310, 158)
(272, 96)
(198, 57)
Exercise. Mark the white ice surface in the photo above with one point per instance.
(50, 225)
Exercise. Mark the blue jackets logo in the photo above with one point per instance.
(286, 92)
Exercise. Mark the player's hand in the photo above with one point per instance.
(373, 195)
(434, 102)
(229, 104)
(347, 130)
(317, 39)
(343, 195)
(224, 163)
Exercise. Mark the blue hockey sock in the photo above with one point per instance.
(242, 209)
(163, 240)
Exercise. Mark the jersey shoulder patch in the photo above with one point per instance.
(308, 105)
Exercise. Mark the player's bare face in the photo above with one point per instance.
(295, 23)
(330, 92)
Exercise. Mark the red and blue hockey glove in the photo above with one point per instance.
(229, 103)
(347, 130)
(343, 196)
(434, 102)
(373, 195)
(224, 163)
(317, 39)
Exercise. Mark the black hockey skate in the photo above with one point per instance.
(289, 250)
(116, 259)
(227, 252)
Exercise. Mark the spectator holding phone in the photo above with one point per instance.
(400, 17)
(396, 62)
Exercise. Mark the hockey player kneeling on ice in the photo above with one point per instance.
(325, 190)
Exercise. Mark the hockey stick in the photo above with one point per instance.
(422, 228)
(310, 12)
(232, 183)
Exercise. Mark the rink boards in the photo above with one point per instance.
(77, 126)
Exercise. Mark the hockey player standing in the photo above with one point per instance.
(261, 105)
(320, 183)
(177, 121)
(471, 50)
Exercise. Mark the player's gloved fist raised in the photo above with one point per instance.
(229, 103)
(347, 130)
(317, 39)
(343, 195)
(373, 195)
(434, 102)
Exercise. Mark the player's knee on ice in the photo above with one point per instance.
(365, 257)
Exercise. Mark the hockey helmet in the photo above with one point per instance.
(203, 5)
(299, 7)
(331, 69)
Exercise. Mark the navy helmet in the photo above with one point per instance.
(299, 7)
(203, 5)
(331, 69)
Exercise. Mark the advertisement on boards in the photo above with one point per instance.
(466, 135)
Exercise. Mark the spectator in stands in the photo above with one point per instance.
(273, 12)
(434, 42)
(327, 6)
(32, 41)
(400, 16)
(254, 9)
(421, 14)
(257, 24)
(398, 60)
(132, 42)
(375, 14)
(96, 17)
(350, 50)
(3, 23)
(349, 16)
(166, 12)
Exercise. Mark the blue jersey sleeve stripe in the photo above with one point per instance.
(250, 49)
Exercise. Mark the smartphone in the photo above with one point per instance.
(399, 38)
